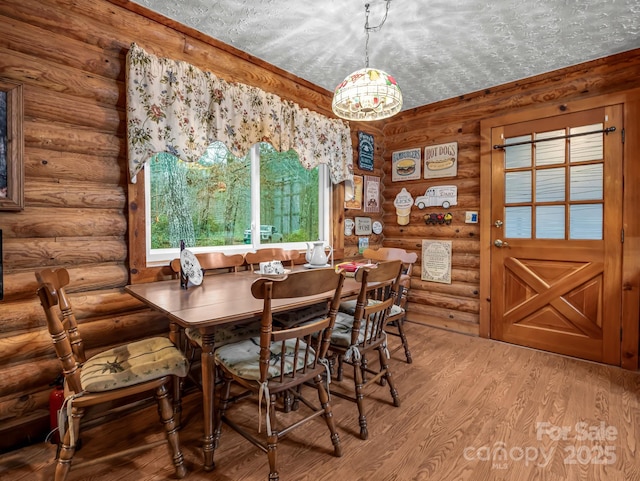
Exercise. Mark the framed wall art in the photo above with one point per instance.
(371, 193)
(1, 271)
(405, 165)
(353, 193)
(441, 160)
(11, 146)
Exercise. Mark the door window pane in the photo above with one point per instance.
(517, 156)
(517, 222)
(517, 187)
(585, 221)
(586, 182)
(586, 147)
(550, 185)
(551, 151)
(550, 222)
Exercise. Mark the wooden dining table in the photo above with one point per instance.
(220, 300)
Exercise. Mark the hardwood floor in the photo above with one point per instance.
(472, 409)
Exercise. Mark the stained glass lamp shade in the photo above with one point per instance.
(367, 94)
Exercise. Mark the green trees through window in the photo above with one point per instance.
(209, 203)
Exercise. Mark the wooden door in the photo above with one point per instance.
(556, 234)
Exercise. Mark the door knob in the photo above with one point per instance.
(500, 243)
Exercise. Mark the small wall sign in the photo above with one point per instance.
(365, 151)
(403, 203)
(441, 160)
(363, 225)
(348, 226)
(363, 243)
(353, 193)
(405, 165)
(436, 261)
(371, 193)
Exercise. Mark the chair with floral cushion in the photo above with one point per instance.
(355, 335)
(395, 322)
(280, 361)
(149, 365)
(215, 263)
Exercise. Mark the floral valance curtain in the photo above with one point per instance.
(175, 107)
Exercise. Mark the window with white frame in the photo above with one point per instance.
(230, 204)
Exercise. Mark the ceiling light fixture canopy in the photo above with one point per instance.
(368, 93)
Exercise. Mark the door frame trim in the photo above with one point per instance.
(630, 322)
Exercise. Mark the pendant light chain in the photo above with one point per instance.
(368, 29)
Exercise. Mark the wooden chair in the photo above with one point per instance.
(398, 314)
(259, 366)
(212, 261)
(215, 263)
(355, 335)
(149, 365)
(288, 257)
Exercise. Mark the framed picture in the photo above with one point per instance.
(365, 151)
(405, 165)
(353, 193)
(1, 271)
(441, 160)
(363, 225)
(11, 145)
(371, 193)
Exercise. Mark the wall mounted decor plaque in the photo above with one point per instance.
(405, 165)
(353, 193)
(363, 225)
(436, 261)
(441, 160)
(371, 193)
(403, 203)
(365, 151)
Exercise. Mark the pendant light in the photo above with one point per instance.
(368, 93)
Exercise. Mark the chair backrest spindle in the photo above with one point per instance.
(311, 337)
(377, 283)
(58, 280)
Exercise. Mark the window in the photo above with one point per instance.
(234, 204)
(554, 187)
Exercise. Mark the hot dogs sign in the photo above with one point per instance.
(439, 161)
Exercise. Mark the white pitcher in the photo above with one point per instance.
(316, 255)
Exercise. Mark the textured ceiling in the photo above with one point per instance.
(436, 49)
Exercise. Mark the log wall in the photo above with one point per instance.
(70, 57)
(456, 306)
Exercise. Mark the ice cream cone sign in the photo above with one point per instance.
(403, 203)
